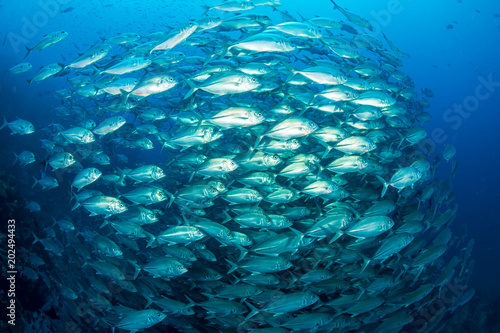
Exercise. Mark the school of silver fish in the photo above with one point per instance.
(248, 172)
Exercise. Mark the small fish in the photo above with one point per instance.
(20, 68)
(19, 126)
(61, 160)
(104, 205)
(46, 72)
(356, 19)
(24, 158)
(46, 182)
(109, 125)
(138, 320)
(86, 177)
(48, 40)
(176, 36)
(127, 66)
(91, 56)
(33, 206)
(78, 135)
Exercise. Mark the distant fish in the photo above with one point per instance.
(33, 207)
(67, 10)
(20, 68)
(24, 158)
(48, 40)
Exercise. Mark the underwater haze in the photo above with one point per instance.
(250, 166)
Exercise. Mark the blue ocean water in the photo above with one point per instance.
(450, 48)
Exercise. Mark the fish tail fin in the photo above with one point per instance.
(71, 196)
(200, 118)
(338, 234)
(402, 139)
(386, 185)
(366, 262)
(293, 281)
(228, 217)
(224, 52)
(136, 267)
(125, 96)
(257, 141)
(328, 149)
(206, 8)
(15, 158)
(55, 222)
(35, 182)
(191, 177)
(5, 123)
(252, 313)
(191, 302)
(123, 176)
(150, 301)
(209, 58)
(243, 251)
(63, 66)
(105, 223)
(36, 238)
(363, 290)
(235, 278)
(335, 6)
(298, 234)
(171, 196)
(152, 238)
(192, 87)
(233, 266)
(75, 206)
(290, 69)
(28, 51)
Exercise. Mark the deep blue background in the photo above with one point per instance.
(450, 60)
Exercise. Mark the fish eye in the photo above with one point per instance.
(179, 267)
